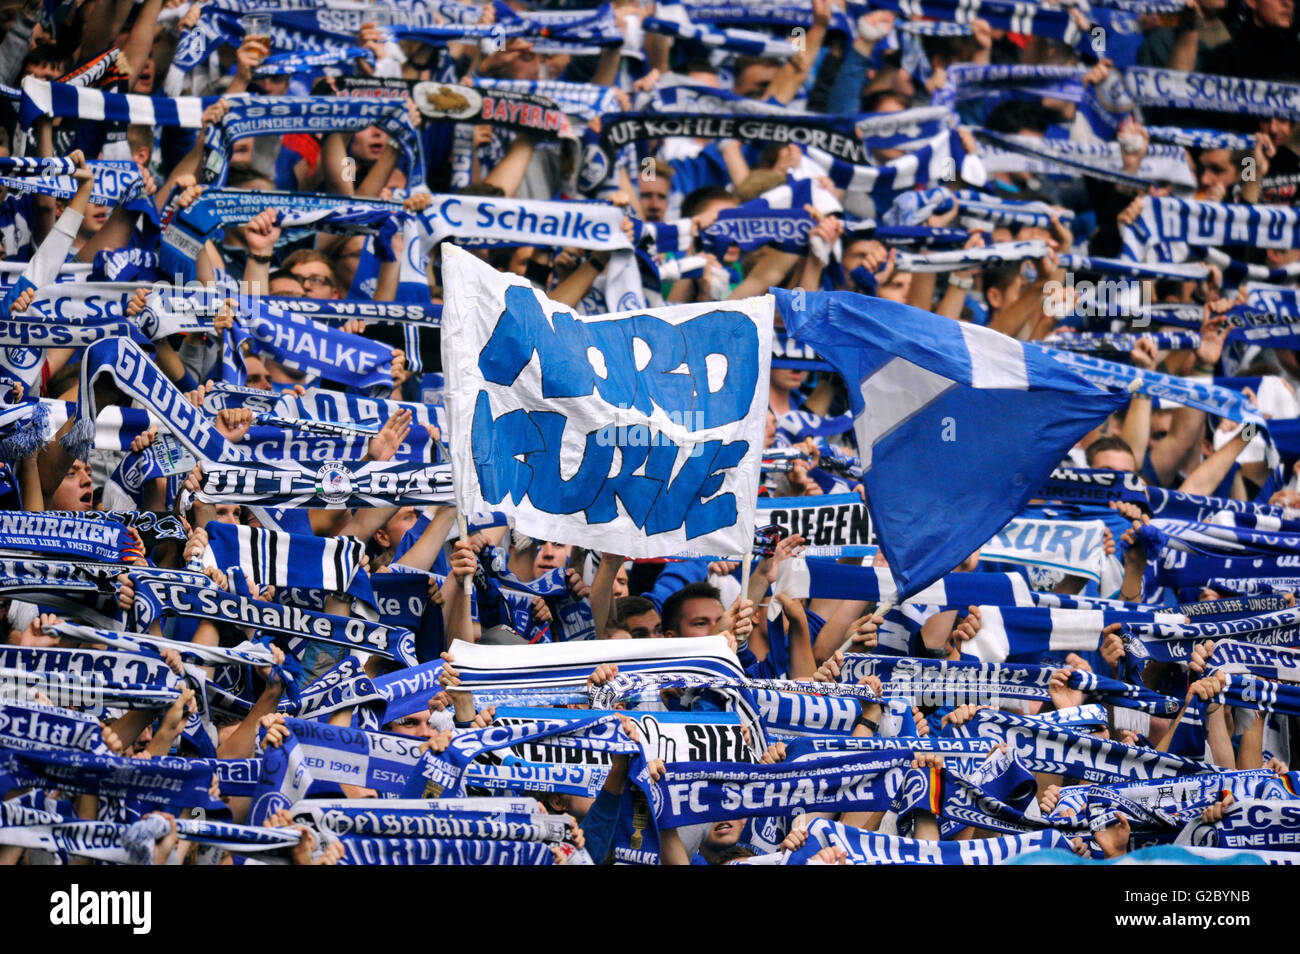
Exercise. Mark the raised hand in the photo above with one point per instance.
(390, 437)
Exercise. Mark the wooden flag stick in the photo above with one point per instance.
(883, 607)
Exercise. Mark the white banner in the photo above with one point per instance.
(637, 432)
(1052, 549)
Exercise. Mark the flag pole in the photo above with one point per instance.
(462, 525)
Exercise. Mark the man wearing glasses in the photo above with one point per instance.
(315, 272)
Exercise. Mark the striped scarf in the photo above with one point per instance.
(864, 847)
(1075, 755)
(672, 20)
(294, 564)
(1164, 220)
(1124, 343)
(1068, 158)
(1148, 86)
(961, 259)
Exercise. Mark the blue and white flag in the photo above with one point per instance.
(696, 434)
(917, 383)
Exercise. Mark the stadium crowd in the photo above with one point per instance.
(1025, 547)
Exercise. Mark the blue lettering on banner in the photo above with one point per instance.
(570, 224)
(674, 368)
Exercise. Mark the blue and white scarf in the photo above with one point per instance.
(116, 182)
(34, 725)
(473, 818)
(934, 161)
(103, 540)
(317, 349)
(344, 686)
(85, 589)
(826, 579)
(740, 42)
(1210, 398)
(91, 677)
(1174, 642)
(165, 781)
(979, 207)
(320, 753)
(1176, 795)
(1148, 86)
(1092, 485)
(636, 833)
(697, 792)
(1201, 138)
(1128, 268)
(938, 682)
(1269, 662)
(330, 407)
(1255, 824)
(160, 598)
(1195, 508)
(1218, 538)
(1032, 633)
(339, 310)
(771, 219)
(967, 81)
(132, 371)
(1088, 341)
(333, 485)
(800, 749)
(1183, 563)
(1074, 755)
(286, 64)
(870, 848)
(1231, 608)
(1014, 18)
(43, 98)
(961, 259)
(1165, 219)
(302, 569)
(245, 654)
